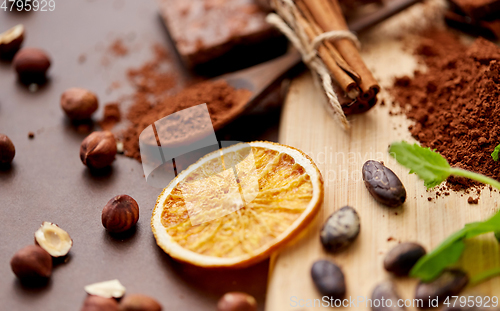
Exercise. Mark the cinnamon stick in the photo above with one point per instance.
(334, 53)
(348, 85)
(328, 15)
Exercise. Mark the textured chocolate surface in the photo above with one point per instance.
(204, 30)
(48, 182)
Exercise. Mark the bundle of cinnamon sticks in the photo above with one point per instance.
(354, 83)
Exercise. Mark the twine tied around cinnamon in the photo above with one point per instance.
(286, 22)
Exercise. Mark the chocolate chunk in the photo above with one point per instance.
(207, 30)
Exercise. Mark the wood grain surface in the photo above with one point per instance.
(340, 156)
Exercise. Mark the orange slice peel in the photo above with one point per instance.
(238, 205)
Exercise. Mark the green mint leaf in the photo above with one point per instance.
(485, 275)
(495, 153)
(431, 166)
(450, 250)
(478, 228)
(431, 265)
(426, 163)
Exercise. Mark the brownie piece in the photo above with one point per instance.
(204, 30)
(478, 9)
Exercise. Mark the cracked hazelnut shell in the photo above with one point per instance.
(106, 289)
(96, 303)
(53, 239)
(78, 103)
(120, 214)
(11, 41)
(98, 150)
(31, 262)
(7, 150)
(138, 302)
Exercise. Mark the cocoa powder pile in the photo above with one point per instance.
(154, 83)
(455, 103)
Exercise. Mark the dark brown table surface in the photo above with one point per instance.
(47, 181)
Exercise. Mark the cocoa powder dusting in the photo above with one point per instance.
(455, 103)
(154, 98)
(222, 101)
(118, 48)
(112, 116)
(155, 77)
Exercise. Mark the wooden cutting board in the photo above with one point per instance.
(340, 156)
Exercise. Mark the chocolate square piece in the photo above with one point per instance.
(204, 30)
(478, 9)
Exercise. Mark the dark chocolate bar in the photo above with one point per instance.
(205, 30)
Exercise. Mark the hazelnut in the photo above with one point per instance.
(78, 103)
(31, 65)
(236, 301)
(31, 262)
(98, 150)
(106, 289)
(96, 303)
(53, 239)
(11, 40)
(120, 214)
(7, 150)
(139, 302)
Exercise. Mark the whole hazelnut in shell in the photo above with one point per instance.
(120, 214)
(31, 65)
(98, 150)
(7, 150)
(138, 302)
(31, 262)
(78, 103)
(236, 301)
(97, 303)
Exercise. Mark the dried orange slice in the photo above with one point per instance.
(237, 205)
